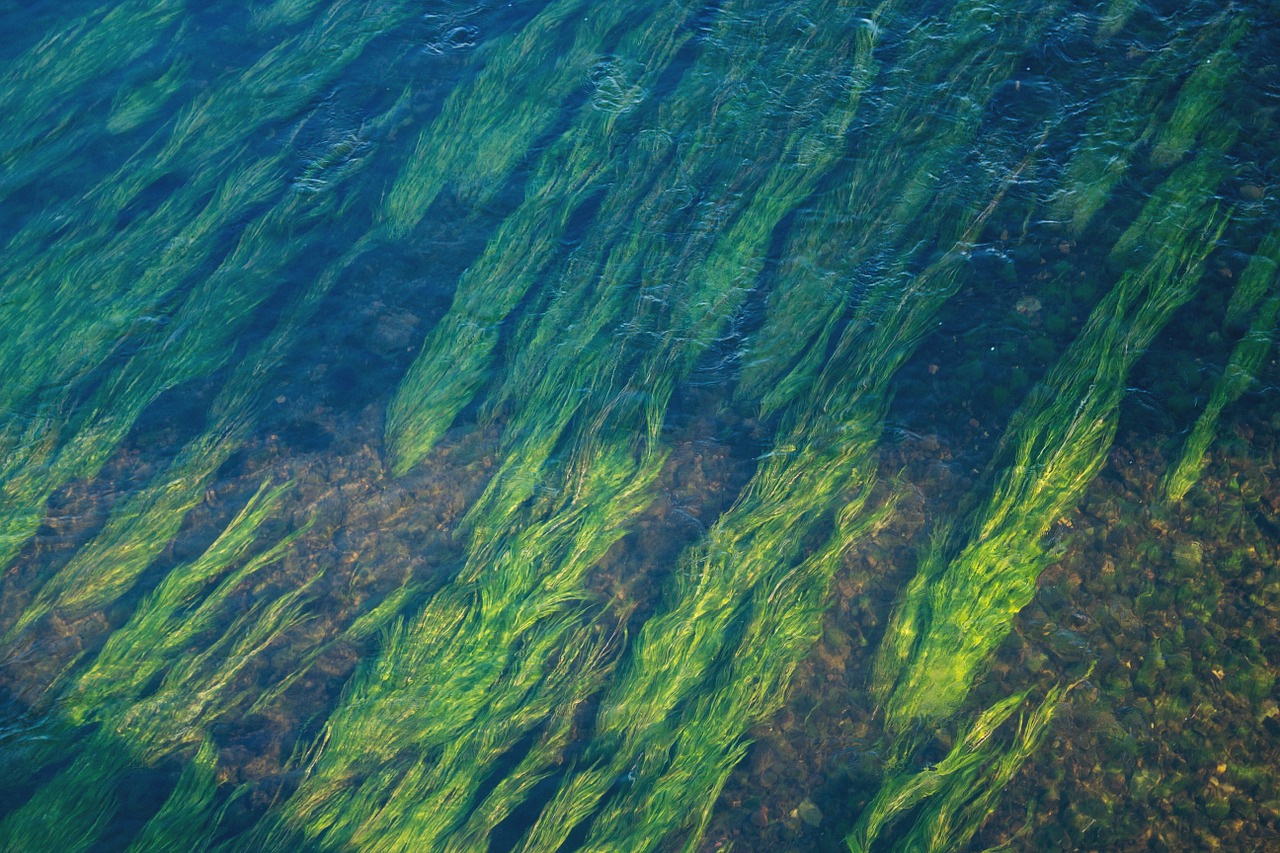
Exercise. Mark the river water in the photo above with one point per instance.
(555, 426)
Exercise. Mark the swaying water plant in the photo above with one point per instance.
(1128, 119)
(41, 92)
(459, 351)
(1250, 299)
(67, 407)
(955, 797)
(153, 689)
(975, 578)
(749, 600)
(664, 154)
(897, 181)
(106, 567)
(976, 575)
(562, 434)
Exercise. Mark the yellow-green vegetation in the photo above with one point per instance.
(486, 663)
(456, 357)
(160, 682)
(521, 92)
(104, 319)
(186, 813)
(975, 577)
(1128, 117)
(67, 407)
(769, 205)
(1257, 298)
(955, 797)
(899, 177)
(748, 601)
(582, 445)
(106, 567)
(41, 91)
(1200, 98)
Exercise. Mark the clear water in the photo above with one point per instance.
(556, 426)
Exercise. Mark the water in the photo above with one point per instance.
(555, 426)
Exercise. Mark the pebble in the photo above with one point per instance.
(808, 813)
(1028, 305)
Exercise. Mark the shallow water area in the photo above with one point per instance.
(548, 426)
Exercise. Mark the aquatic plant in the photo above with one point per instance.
(519, 95)
(105, 568)
(152, 688)
(974, 578)
(187, 814)
(103, 286)
(1257, 296)
(1128, 116)
(953, 798)
(1200, 98)
(749, 598)
(41, 92)
(898, 178)
(583, 455)
(787, 194)
(458, 353)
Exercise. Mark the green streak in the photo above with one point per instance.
(974, 580)
(582, 456)
(65, 407)
(166, 642)
(956, 796)
(457, 354)
(186, 813)
(42, 93)
(1128, 117)
(1247, 357)
(749, 599)
(898, 179)
(1200, 99)
(518, 95)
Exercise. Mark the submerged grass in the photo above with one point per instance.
(176, 667)
(459, 352)
(1257, 297)
(748, 602)
(42, 93)
(127, 280)
(492, 655)
(206, 325)
(159, 682)
(974, 578)
(646, 225)
(979, 572)
(1128, 117)
(953, 799)
(900, 176)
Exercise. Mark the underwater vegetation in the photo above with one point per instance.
(509, 428)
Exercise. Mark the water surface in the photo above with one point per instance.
(639, 426)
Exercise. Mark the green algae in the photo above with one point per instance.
(49, 434)
(153, 690)
(508, 702)
(1127, 119)
(527, 595)
(974, 580)
(1255, 296)
(960, 792)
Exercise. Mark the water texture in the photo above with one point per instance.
(662, 425)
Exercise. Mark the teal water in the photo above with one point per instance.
(647, 426)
